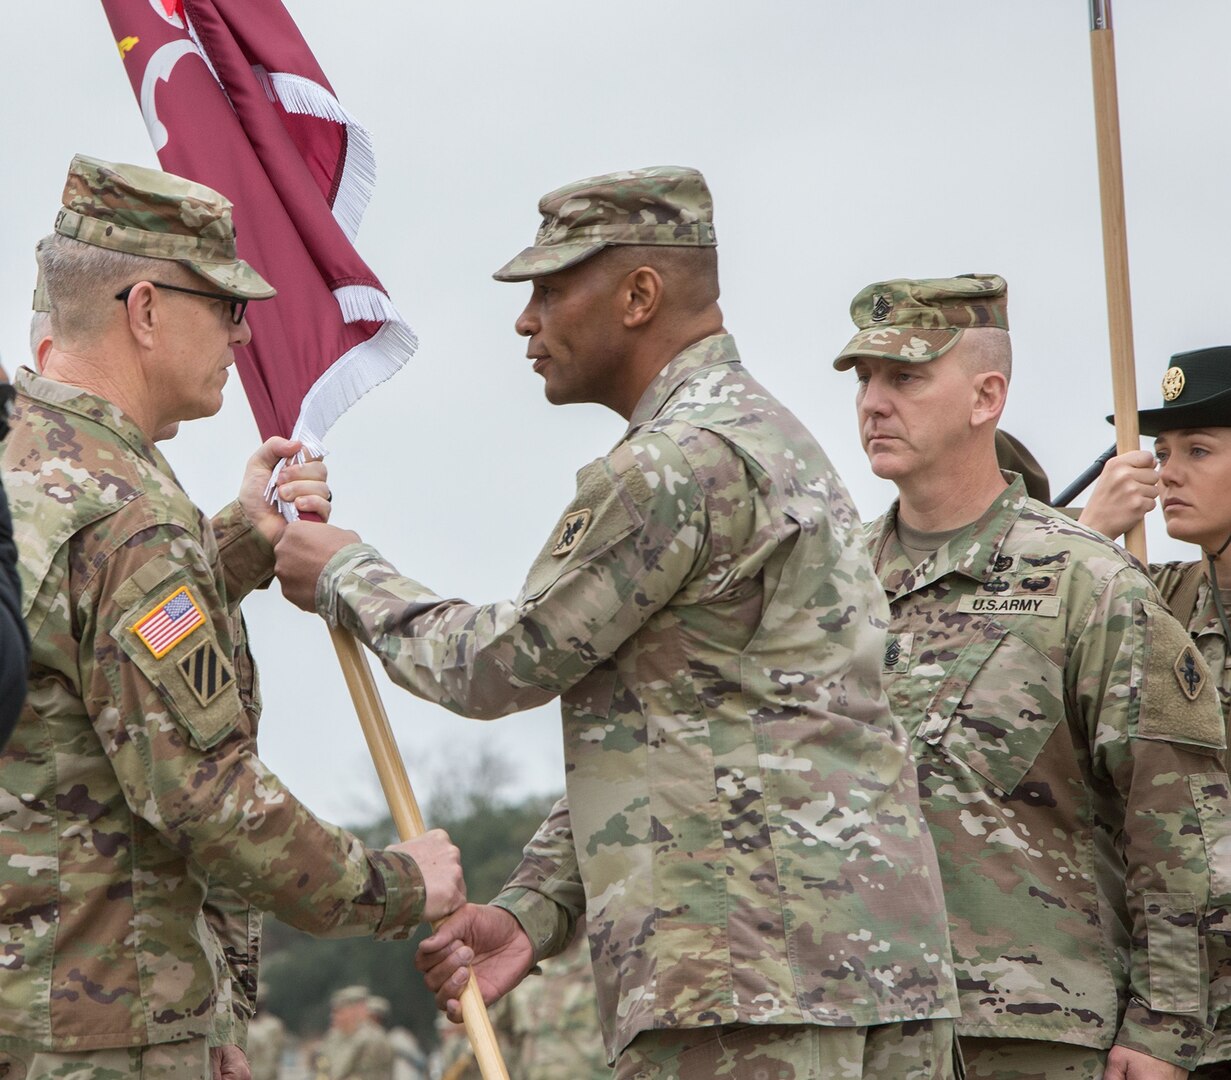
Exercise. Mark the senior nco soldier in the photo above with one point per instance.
(1069, 737)
(139, 830)
(740, 826)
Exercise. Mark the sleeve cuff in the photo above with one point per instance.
(246, 554)
(405, 894)
(1169, 1037)
(546, 923)
(337, 569)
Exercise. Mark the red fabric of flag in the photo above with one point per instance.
(234, 99)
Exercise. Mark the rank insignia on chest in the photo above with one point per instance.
(1188, 673)
(897, 654)
(206, 672)
(169, 622)
(571, 532)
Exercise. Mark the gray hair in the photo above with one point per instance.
(40, 327)
(81, 281)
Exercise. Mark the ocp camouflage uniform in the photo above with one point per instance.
(266, 1045)
(1070, 746)
(548, 1026)
(1207, 633)
(137, 826)
(741, 807)
(364, 1054)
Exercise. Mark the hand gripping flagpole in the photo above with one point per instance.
(409, 821)
(1115, 243)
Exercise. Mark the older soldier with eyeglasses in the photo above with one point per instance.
(140, 836)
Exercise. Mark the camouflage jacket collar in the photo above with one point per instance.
(973, 552)
(708, 352)
(65, 397)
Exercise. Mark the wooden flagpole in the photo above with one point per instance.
(1115, 243)
(409, 821)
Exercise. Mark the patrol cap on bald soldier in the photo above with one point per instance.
(160, 216)
(667, 206)
(917, 320)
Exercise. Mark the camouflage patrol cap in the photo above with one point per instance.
(379, 1006)
(160, 216)
(666, 206)
(917, 320)
(349, 995)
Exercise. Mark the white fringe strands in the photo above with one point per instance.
(306, 98)
(347, 379)
(362, 303)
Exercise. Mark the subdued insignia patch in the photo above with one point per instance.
(1189, 672)
(1003, 564)
(571, 532)
(206, 672)
(897, 654)
(1173, 383)
(1058, 560)
(881, 308)
(1178, 702)
(170, 621)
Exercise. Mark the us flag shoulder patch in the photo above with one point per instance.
(168, 623)
(206, 672)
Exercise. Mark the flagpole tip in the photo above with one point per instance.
(1100, 15)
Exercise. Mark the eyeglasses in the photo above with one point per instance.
(238, 306)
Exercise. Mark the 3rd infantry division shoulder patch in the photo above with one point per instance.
(205, 672)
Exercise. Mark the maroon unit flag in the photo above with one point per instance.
(234, 99)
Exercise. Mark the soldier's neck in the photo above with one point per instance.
(86, 372)
(951, 495)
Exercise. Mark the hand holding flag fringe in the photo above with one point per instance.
(234, 98)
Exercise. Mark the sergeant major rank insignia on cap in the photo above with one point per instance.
(881, 309)
(170, 621)
(571, 532)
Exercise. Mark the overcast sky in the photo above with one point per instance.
(845, 142)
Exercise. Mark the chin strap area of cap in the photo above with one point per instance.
(1218, 605)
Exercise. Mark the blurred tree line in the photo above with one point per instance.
(300, 971)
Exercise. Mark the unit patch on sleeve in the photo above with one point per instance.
(206, 672)
(167, 624)
(571, 532)
(1189, 673)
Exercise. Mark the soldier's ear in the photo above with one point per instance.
(141, 307)
(990, 393)
(641, 294)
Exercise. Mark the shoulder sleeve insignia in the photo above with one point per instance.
(1178, 700)
(169, 622)
(206, 672)
(1189, 672)
(571, 532)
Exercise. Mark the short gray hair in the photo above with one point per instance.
(40, 327)
(81, 281)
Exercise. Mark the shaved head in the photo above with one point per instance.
(986, 349)
(690, 274)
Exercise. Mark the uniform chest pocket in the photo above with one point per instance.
(996, 707)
